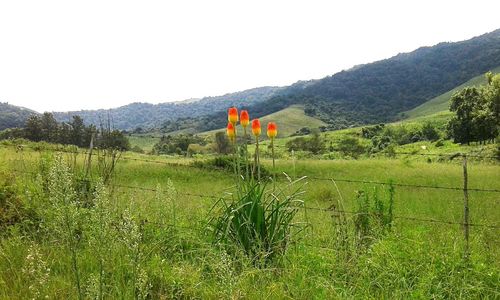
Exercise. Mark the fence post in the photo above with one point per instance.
(466, 209)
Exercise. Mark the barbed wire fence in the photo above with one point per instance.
(466, 224)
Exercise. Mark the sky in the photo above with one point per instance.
(70, 55)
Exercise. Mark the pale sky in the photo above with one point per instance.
(69, 55)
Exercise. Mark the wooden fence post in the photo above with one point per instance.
(466, 209)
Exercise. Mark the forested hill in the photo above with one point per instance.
(377, 92)
(147, 116)
(13, 116)
(367, 94)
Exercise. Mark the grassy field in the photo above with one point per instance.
(415, 259)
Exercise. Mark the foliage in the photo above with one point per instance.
(177, 144)
(315, 143)
(477, 112)
(258, 221)
(374, 216)
(46, 128)
(12, 208)
(351, 146)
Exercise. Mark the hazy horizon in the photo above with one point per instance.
(65, 57)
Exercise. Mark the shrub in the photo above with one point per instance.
(315, 143)
(351, 146)
(137, 149)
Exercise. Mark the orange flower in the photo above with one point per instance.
(231, 133)
(272, 130)
(244, 118)
(232, 115)
(256, 127)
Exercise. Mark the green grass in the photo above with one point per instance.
(289, 120)
(145, 142)
(415, 260)
(440, 103)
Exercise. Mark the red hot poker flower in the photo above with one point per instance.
(256, 127)
(232, 115)
(244, 118)
(272, 130)
(231, 133)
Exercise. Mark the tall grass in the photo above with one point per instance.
(258, 221)
(145, 259)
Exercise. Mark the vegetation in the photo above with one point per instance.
(477, 112)
(368, 94)
(46, 128)
(265, 218)
(379, 92)
(169, 116)
(315, 144)
(441, 103)
(146, 256)
(178, 144)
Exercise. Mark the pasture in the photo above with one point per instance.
(167, 252)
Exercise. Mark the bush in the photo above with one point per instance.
(351, 146)
(137, 149)
(314, 144)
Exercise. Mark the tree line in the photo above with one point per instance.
(38, 128)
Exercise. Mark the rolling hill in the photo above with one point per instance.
(13, 116)
(366, 94)
(289, 120)
(377, 92)
(148, 116)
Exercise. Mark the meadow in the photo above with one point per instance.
(158, 245)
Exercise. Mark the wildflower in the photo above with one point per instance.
(231, 133)
(244, 118)
(232, 115)
(256, 127)
(272, 130)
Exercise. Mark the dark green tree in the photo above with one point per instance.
(77, 131)
(461, 125)
(33, 128)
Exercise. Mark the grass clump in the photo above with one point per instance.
(258, 222)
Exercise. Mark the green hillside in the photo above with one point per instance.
(440, 103)
(13, 116)
(289, 120)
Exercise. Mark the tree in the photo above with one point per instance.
(460, 125)
(77, 131)
(49, 128)
(33, 128)
(477, 112)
